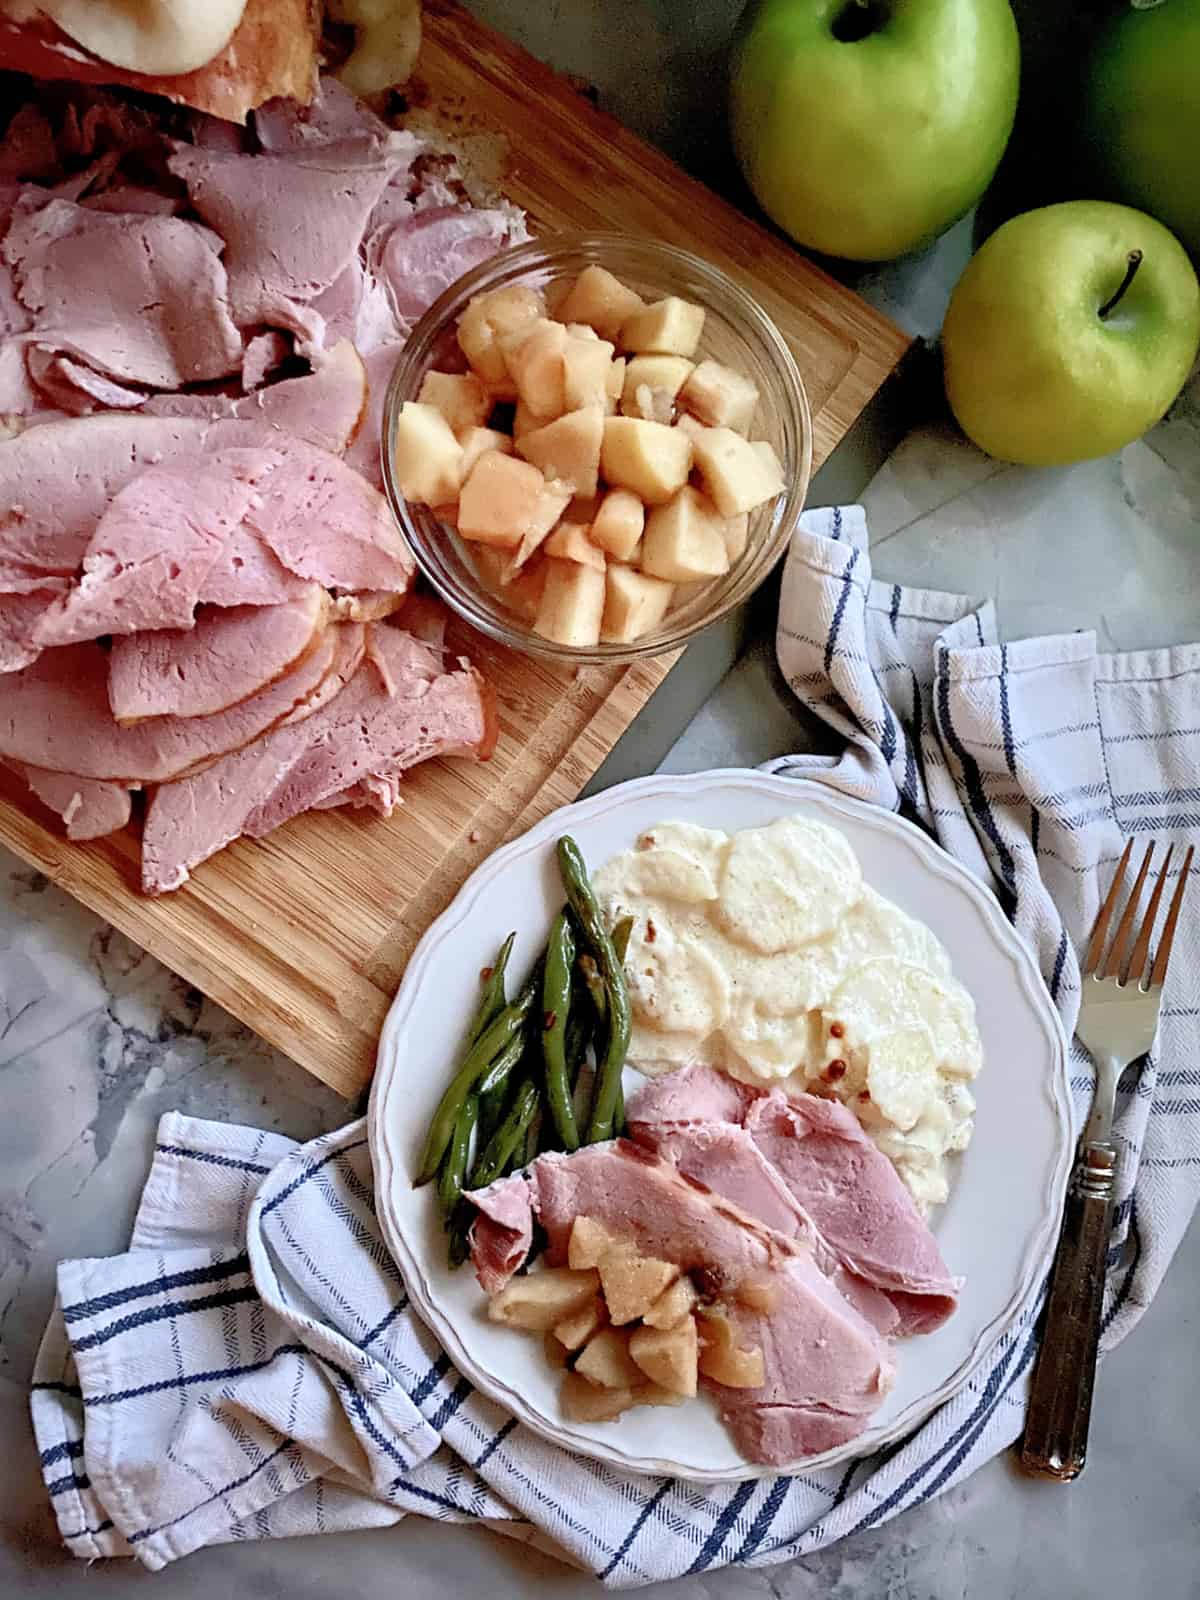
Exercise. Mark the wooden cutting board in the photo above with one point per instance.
(304, 935)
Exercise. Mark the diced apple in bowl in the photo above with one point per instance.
(622, 480)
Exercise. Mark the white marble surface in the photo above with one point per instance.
(96, 1039)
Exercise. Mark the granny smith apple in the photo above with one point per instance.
(1140, 117)
(1070, 333)
(866, 127)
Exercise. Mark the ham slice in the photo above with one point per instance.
(90, 809)
(55, 715)
(826, 1368)
(420, 257)
(291, 223)
(228, 656)
(20, 617)
(805, 1166)
(326, 407)
(154, 546)
(142, 299)
(360, 731)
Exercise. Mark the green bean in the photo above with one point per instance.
(621, 936)
(582, 900)
(494, 1085)
(556, 1008)
(508, 1137)
(590, 972)
(454, 1163)
(493, 1000)
(458, 1245)
(478, 1058)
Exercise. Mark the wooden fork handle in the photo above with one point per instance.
(1060, 1400)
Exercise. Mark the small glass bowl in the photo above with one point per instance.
(736, 333)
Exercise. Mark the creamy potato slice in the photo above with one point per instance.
(675, 861)
(785, 884)
(675, 985)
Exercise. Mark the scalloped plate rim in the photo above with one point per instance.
(566, 818)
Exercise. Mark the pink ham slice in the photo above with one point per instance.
(55, 715)
(291, 223)
(140, 298)
(89, 809)
(148, 564)
(229, 655)
(421, 256)
(155, 545)
(360, 731)
(20, 615)
(363, 454)
(826, 1368)
(326, 407)
(804, 1164)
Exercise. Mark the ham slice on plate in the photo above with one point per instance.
(140, 298)
(55, 715)
(806, 1167)
(229, 655)
(826, 1368)
(89, 808)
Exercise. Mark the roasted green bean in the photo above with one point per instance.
(582, 900)
(556, 1010)
(508, 1137)
(454, 1163)
(493, 998)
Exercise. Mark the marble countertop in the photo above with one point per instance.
(97, 1039)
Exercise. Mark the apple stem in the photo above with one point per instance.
(1131, 266)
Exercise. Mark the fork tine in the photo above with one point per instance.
(1163, 954)
(1138, 963)
(1095, 947)
(1116, 956)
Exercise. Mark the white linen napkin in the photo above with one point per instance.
(252, 1368)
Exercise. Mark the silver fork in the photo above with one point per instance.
(1118, 1021)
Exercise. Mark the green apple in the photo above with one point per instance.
(1070, 333)
(866, 127)
(1141, 114)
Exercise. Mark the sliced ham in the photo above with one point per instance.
(334, 117)
(248, 573)
(90, 809)
(20, 617)
(154, 546)
(291, 223)
(826, 1369)
(140, 298)
(421, 256)
(805, 1166)
(75, 388)
(229, 655)
(55, 715)
(326, 407)
(361, 730)
(364, 453)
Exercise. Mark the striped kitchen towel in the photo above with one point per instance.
(252, 1367)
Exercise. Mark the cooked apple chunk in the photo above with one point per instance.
(459, 396)
(586, 365)
(573, 1332)
(720, 397)
(572, 604)
(670, 327)
(736, 473)
(647, 457)
(600, 300)
(487, 319)
(428, 457)
(538, 1300)
(614, 385)
(476, 440)
(684, 540)
(651, 385)
(668, 1356)
(552, 502)
(522, 591)
(499, 500)
(589, 1243)
(722, 1360)
(632, 1283)
(568, 449)
(633, 604)
(583, 1401)
(569, 542)
(736, 532)
(672, 1305)
(606, 1360)
(618, 524)
(534, 357)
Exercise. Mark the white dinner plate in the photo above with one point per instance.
(1002, 1217)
